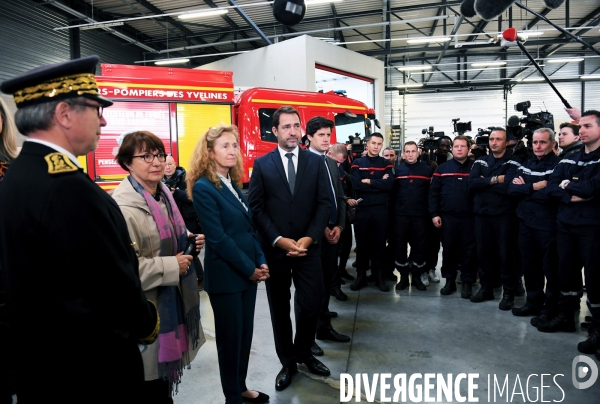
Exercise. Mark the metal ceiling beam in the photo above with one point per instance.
(462, 86)
(231, 23)
(447, 44)
(336, 22)
(249, 21)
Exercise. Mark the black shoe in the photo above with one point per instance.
(260, 399)
(592, 343)
(416, 282)
(562, 322)
(315, 366)
(354, 264)
(316, 350)
(284, 377)
(520, 289)
(467, 290)
(541, 319)
(359, 282)
(341, 296)
(333, 314)
(380, 283)
(404, 283)
(508, 300)
(482, 295)
(525, 311)
(345, 275)
(332, 335)
(449, 287)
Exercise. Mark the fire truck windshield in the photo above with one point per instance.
(346, 126)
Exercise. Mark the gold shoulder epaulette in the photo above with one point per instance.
(59, 163)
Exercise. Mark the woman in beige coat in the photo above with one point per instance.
(159, 237)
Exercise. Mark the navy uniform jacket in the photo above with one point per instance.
(71, 274)
(492, 200)
(583, 172)
(276, 212)
(232, 251)
(535, 208)
(411, 189)
(449, 189)
(373, 168)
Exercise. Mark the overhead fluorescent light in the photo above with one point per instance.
(413, 68)
(412, 85)
(590, 77)
(201, 14)
(311, 2)
(171, 62)
(485, 64)
(429, 39)
(564, 60)
(533, 79)
(96, 26)
(527, 34)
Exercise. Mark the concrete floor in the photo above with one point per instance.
(409, 332)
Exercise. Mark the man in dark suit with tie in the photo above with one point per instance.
(318, 132)
(289, 200)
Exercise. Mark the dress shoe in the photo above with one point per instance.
(337, 292)
(562, 322)
(359, 282)
(260, 399)
(344, 274)
(482, 295)
(508, 300)
(332, 335)
(525, 311)
(467, 290)
(592, 343)
(315, 366)
(316, 350)
(449, 287)
(332, 314)
(404, 283)
(284, 377)
(417, 283)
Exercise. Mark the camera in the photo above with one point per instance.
(461, 127)
(358, 145)
(429, 144)
(482, 138)
(524, 127)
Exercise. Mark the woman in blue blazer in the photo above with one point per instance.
(233, 262)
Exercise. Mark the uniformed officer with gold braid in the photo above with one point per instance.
(76, 306)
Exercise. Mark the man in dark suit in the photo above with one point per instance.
(318, 132)
(290, 206)
(74, 295)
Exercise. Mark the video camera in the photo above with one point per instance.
(482, 138)
(461, 127)
(524, 127)
(358, 145)
(430, 144)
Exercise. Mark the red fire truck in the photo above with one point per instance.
(179, 105)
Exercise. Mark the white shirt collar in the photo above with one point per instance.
(226, 180)
(284, 152)
(310, 149)
(57, 148)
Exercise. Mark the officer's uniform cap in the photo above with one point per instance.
(60, 81)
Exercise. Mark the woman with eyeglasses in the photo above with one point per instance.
(159, 237)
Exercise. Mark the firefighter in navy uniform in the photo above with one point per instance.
(372, 179)
(451, 210)
(575, 183)
(494, 221)
(411, 217)
(75, 301)
(537, 227)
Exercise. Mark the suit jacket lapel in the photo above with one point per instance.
(276, 157)
(301, 166)
(231, 198)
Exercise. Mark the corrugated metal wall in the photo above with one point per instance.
(27, 39)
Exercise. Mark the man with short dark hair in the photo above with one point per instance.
(494, 211)
(568, 140)
(65, 250)
(411, 190)
(537, 227)
(451, 210)
(284, 182)
(575, 184)
(372, 179)
(318, 132)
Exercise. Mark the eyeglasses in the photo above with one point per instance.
(149, 157)
(98, 107)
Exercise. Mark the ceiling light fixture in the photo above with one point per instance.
(485, 64)
(533, 79)
(429, 39)
(201, 14)
(97, 26)
(413, 68)
(412, 85)
(312, 2)
(564, 60)
(590, 77)
(171, 61)
(527, 34)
